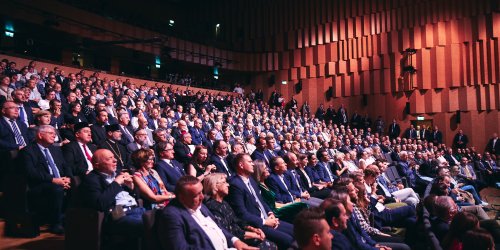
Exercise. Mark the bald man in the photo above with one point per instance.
(103, 190)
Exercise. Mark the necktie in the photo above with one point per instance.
(17, 134)
(225, 166)
(86, 151)
(286, 187)
(52, 165)
(296, 178)
(329, 172)
(263, 214)
(127, 133)
(21, 114)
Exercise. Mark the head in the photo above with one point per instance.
(260, 171)
(165, 150)
(291, 159)
(143, 159)
(188, 191)
(335, 214)
(215, 185)
(43, 117)
(220, 148)
(83, 134)
(10, 110)
(478, 238)
(445, 208)
(278, 165)
(244, 165)
(113, 132)
(200, 154)
(102, 117)
(311, 230)
(45, 135)
(104, 161)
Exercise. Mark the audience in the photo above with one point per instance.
(160, 135)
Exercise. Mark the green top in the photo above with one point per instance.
(287, 212)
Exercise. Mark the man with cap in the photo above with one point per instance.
(78, 154)
(113, 136)
(48, 177)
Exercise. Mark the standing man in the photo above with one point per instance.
(460, 140)
(394, 130)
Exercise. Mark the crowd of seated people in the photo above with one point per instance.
(231, 170)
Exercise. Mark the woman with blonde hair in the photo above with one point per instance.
(148, 182)
(215, 188)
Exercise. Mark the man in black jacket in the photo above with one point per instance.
(48, 177)
(103, 190)
(78, 154)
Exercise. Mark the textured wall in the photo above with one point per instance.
(358, 53)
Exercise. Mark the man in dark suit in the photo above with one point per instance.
(105, 191)
(437, 136)
(188, 224)
(323, 168)
(140, 141)
(337, 217)
(48, 177)
(219, 158)
(25, 112)
(259, 152)
(301, 182)
(411, 133)
(169, 170)
(425, 134)
(181, 148)
(209, 141)
(460, 140)
(98, 130)
(244, 197)
(394, 130)
(127, 131)
(493, 146)
(444, 210)
(78, 154)
(197, 133)
(113, 136)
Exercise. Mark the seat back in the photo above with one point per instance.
(151, 241)
(430, 237)
(83, 229)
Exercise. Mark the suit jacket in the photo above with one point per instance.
(495, 150)
(169, 175)
(75, 157)
(131, 147)
(257, 155)
(243, 202)
(463, 139)
(29, 113)
(323, 172)
(182, 152)
(340, 241)
(437, 137)
(98, 133)
(7, 138)
(216, 160)
(178, 230)
(282, 192)
(125, 139)
(394, 130)
(98, 194)
(198, 136)
(357, 236)
(36, 167)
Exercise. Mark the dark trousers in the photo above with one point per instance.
(282, 236)
(397, 217)
(46, 200)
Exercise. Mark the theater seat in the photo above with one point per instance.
(151, 241)
(83, 229)
(430, 237)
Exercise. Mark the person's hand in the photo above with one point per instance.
(65, 141)
(305, 195)
(123, 178)
(21, 147)
(63, 182)
(385, 235)
(210, 168)
(382, 247)
(240, 245)
(272, 222)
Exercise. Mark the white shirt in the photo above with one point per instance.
(211, 229)
(89, 163)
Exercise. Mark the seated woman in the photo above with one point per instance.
(215, 188)
(43, 118)
(461, 223)
(284, 212)
(148, 181)
(198, 166)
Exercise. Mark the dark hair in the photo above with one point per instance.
(306, 224)
(331, 208)
(273, 162)
(197, 151)
(184, 181)
(461, 223)
(477, 239)
(439, 189)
